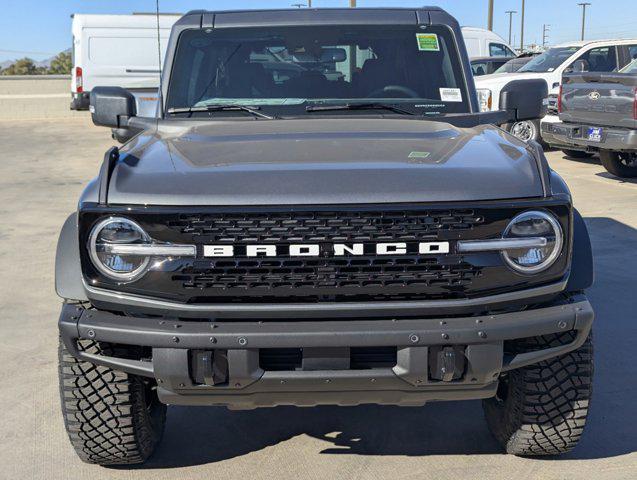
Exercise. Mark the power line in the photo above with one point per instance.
(26, 52)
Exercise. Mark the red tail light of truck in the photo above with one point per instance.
(79, 88)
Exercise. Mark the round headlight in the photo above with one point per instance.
(539, 225)
(119, 266)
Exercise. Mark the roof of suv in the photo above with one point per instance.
(316, 16)
(583, 43)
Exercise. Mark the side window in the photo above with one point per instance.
(631, 50)
(500, 50)
(600, 59)
(480, 68)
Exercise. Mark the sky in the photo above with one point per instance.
(41, 28)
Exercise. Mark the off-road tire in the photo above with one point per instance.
(541, 409)
(576, 153)
(111, 417)
(623, 165)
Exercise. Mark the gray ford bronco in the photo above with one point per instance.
(319, 214)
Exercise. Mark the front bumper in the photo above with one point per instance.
(481, 339)
(572, 136)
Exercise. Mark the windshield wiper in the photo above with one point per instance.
(221, 108)
(357, 106)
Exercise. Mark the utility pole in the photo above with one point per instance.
(490, 16)
(352, 3)
(510, 12)
(522, 30)
(583, 5)
(545, 33)
(309, 3)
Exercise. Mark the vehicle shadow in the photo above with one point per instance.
(592, 160)
(204, 435)
(617, 179)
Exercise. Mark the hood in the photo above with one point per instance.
(321, 161)
(495, 80)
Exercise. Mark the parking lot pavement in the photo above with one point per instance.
(42, 172)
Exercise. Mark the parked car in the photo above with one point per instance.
(118, 50)
(598, 113)
(481, 42)
(358, 233)
(514, 64)
(485, 65)
(593, 56)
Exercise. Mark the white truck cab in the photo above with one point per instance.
(481, 42)
(593, 56)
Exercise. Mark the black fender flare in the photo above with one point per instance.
(582, 273)
(68, 268)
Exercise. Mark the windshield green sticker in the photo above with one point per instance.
(428, 42)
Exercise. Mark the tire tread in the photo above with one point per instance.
(105, 411)
(547, 404)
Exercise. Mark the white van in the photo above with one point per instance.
(481, 42)
(118, 50)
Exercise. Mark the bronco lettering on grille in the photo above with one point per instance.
(332, 250)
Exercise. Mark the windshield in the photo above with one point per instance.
(279, 68)
(513, 65)
(630, 68)
(549, 60)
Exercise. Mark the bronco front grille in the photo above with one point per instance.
(326, 277)
(331, 276)
(334, 226)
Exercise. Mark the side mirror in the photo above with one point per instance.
(524, 99)
(112, 107)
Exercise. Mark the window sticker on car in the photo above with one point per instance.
(428, 42)
(450, 95)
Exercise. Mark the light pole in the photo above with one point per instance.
(510, 12)
(490, 16)
(583, 5)
(545, 33)
(522, 29)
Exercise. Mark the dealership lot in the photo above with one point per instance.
(43, 169)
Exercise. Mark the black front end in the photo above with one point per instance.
(397, 328)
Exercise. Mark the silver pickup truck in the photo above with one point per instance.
(599, 114)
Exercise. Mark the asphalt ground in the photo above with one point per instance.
(43, 167)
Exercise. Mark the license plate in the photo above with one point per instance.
(595, 134)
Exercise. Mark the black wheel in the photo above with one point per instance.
(111, 417)
(576, 153)
(541, 409)
(620, 164)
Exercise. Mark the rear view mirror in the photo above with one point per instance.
(112, 107)
(333, 55)
(524, 99)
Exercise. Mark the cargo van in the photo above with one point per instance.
(118, 50)
(481, 42)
